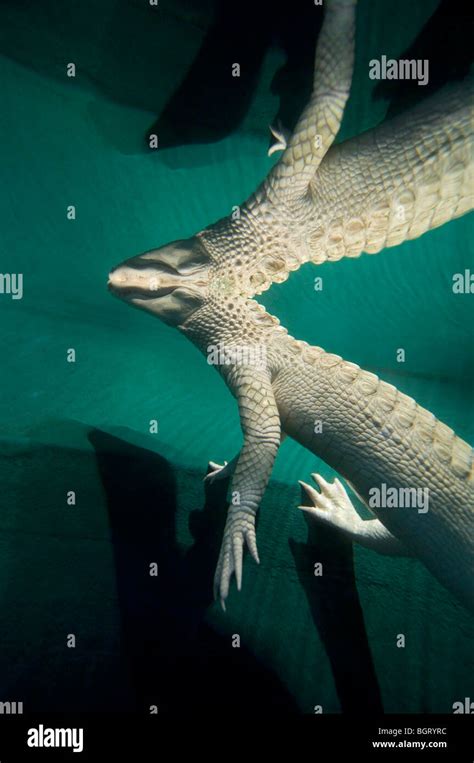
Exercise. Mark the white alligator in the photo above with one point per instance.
(323, 202)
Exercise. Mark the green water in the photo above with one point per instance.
(78, 141)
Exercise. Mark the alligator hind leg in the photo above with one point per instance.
(332, 505)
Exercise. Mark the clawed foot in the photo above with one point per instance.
(218, 472)
(281, 136)
(239, 531)
(332, 505)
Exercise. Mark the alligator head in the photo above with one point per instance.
(170, 282)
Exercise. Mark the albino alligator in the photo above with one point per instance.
(319, 203)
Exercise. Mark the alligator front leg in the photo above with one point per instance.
(225, 470)
(260, 423)
(333, 506)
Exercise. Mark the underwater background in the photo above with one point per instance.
(84, 426)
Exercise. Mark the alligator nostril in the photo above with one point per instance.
(117, 278)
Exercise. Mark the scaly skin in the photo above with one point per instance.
(372, 434)
(321, 202)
